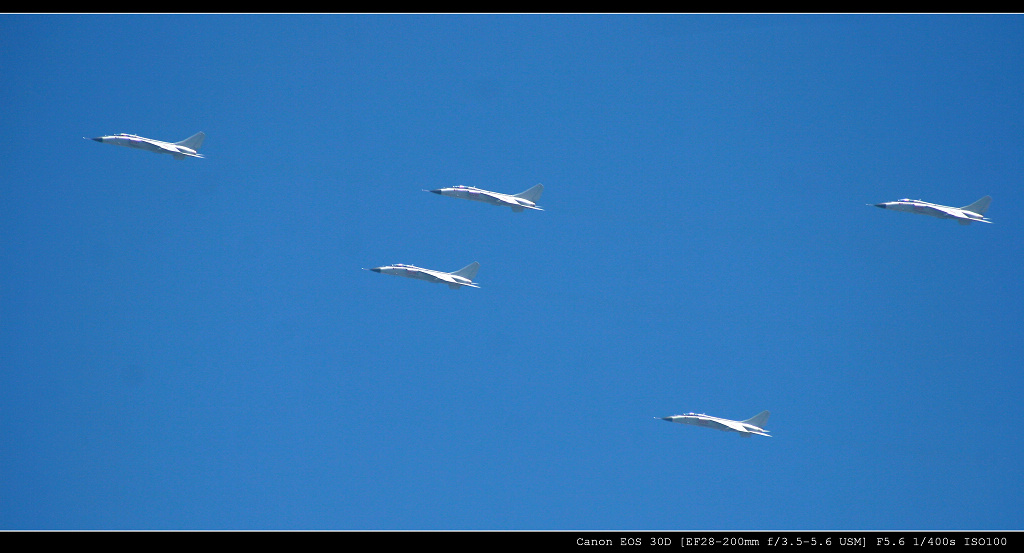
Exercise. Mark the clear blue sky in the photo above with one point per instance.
(192, 344)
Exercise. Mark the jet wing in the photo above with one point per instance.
(740, 427)
(171, 149)
(498, 197)
(952, 212)
(959, 214)
(504, 199)
(451, 280)
(166, 147)
(734, 425)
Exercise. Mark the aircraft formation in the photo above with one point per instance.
(528, 199)
(464, 276)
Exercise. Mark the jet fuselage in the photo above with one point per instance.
(726, 425)
(963, 215)
(179, 151)
(429, 275)
(486, 196)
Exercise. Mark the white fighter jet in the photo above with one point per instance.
(454, 280)
(753, 425)
(518, 202)
(179, 150)
(963, 215)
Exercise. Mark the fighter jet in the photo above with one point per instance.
(179, 150)
(963, 215)
(454, 280)
(745, 428)
(518, 202)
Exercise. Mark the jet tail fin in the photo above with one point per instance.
(979, 206)
(469, 271)
(531, 195)
(194, 141)
(759, 419)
